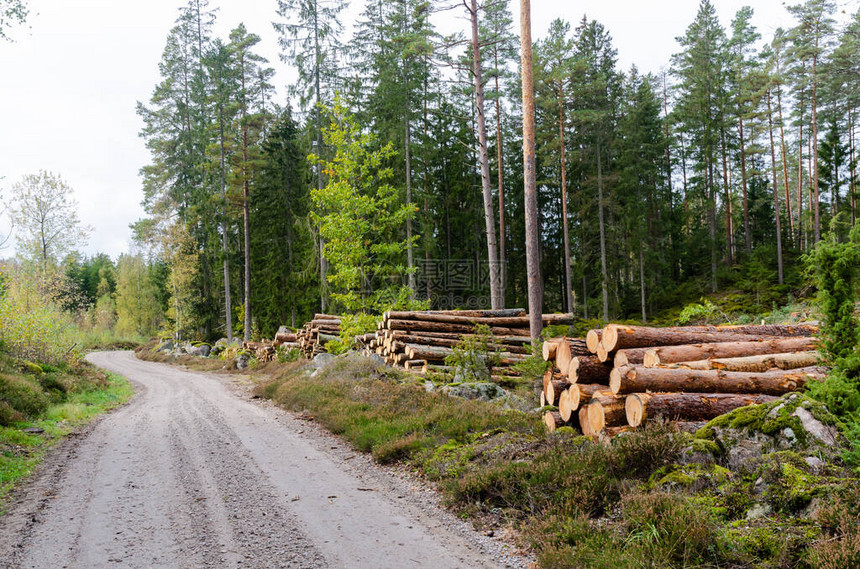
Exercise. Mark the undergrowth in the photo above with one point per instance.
(37, 409)
(636, 502)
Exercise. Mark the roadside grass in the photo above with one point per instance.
(87, 393)
(650, 498)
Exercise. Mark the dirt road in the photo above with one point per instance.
(189, 474)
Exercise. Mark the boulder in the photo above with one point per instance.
(484, 391)
(322, 360)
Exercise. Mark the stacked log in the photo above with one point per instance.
(686, 374)
(263, 351)
(575, 380)
(315, 334)
(421, 340)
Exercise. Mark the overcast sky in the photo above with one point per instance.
(71, 80)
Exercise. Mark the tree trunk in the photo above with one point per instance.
(814, 153)
(619, 336)
(788, 213)
(604, 285)
(641, 407)
(606, 411)
(568, 349)
(483, 156)
(246, 211)
(642, 284)
(228, 303)
(730, 241)
(747, 232)
(635, 379)
(568, 283)
(775, 191)
(503, 270)
(552, 420)
(588, 369)
(791, 360)
(684, 353)
(410, 261)
(535, 290)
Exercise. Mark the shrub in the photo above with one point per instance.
(34, 328)
(22, 395)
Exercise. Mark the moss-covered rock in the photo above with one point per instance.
(792, 422)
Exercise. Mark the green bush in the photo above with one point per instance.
(23, 395)
(34, 328)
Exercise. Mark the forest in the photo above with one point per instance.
(392, 176)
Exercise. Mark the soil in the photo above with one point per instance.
(194, 472)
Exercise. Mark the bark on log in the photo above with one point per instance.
(420, 326)
(552, 420)
(578, 395)
(458, 336)
(554, 389)
(415, 364)
(634, 379)
(759, 364)
(438, 354)
(568, 349)
(326, 317)
(425, 314)
(640, 407)
(617, 336)
(420, 339)
(592, 339)
(606, 411)
(655, 356)
(495, 321)
(549, 347)
(588, 369)
(631, 356)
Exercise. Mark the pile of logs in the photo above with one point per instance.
(421, 340)
(314, 335)
(621, 376)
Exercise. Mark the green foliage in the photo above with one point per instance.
(12, 12)
(703, 312)
(473, 358)
(835, 267)
(360, 218)
(352, 325)
(138, 308)
(31, 326)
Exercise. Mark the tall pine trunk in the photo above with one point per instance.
(747, 233)
(503, 269)
(788, 213)
(568, 285)
(604, 276)
(535, 290)
(228, 308)
(775, 190)
(484, 159)
(814, 153)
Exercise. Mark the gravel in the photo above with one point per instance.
(194, 472)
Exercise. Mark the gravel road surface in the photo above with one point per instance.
(192, 473)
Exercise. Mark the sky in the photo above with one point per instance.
(73, 75)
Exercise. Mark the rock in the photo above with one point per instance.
(201, 351)
(34, 430)
(815, 463)
(166, 346)
(322, 360)
(825, 434)
(222, 343)
(744, 453)
(758, 511)
(242, 361)
(485, 391)
(789, 435)
(377, 359)
(429, 386)
(283, 330)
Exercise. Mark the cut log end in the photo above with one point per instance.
(634, 408)
(602, 352)
(592, 339)
(552, 420)
(564, 407)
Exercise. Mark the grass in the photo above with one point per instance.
(90, 393)
(652, 498)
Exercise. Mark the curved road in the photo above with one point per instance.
(191, 475)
